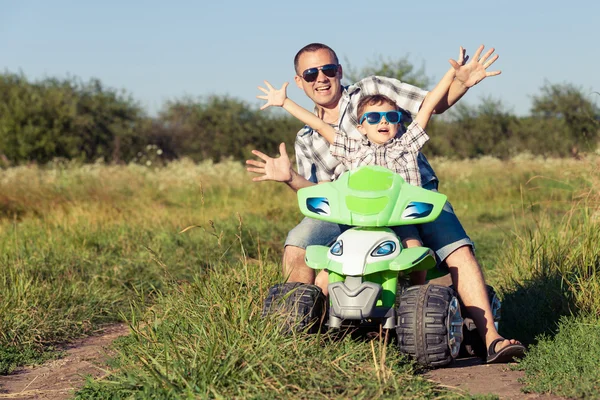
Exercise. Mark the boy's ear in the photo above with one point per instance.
(361, 129)
(298, 80)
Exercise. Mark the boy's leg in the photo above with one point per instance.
(308, 232)
(409, 235)
(448, 239)
(322, 281)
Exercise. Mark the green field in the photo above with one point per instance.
(87, 245)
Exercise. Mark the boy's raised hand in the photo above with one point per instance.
(274, 97)
(472, 72)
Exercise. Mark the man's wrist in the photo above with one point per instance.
(289, 181)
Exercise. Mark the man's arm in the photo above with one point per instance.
(277, 169)
(467, 76)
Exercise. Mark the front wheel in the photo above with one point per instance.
(429, 324)
(300, 306)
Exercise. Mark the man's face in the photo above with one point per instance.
(324, 91)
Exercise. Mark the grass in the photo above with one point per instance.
(186, 253)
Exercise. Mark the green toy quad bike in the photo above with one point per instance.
(364, 264)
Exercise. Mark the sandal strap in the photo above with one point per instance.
(492, 347)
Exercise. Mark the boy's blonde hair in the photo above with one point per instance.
(374, 100)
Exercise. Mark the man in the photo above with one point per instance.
(319, 74)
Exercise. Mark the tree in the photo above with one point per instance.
(473, 131)
(575, 114)
(220, 126)
(66, 118)
(401, 69)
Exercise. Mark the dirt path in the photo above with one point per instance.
(470, 375)
(57, 379)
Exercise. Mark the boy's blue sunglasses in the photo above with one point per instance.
(373, 117)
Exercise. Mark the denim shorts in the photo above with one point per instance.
(446, 234)
(315, 232)
(443, 236)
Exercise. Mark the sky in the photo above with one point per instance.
(159, 51)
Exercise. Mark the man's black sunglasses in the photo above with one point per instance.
(311, 74)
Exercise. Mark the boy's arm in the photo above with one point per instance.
(310, 119)
(467, 76)
(414, 138)
(434, 97)
(278, 98)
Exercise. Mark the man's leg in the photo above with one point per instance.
(469, 282)
(308, 232)
(294, 266)
(448, 239)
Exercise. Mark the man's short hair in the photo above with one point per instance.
(309, 48)
(373, 100)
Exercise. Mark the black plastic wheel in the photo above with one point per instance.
(429, 324)
(301, 306)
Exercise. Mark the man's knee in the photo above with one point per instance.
(294, 266)
(463, 255)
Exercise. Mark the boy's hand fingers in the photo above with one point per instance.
(454, 64)
(490, 62)
(478, 52)
(486, 55)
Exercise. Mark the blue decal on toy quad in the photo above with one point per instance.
(384, 249)
(318, 205)
(416, 209)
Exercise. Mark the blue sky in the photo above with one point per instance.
(159, 51)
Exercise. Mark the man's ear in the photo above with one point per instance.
(298, 80)
(340, 72)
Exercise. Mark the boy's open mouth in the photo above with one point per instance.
(383, 130)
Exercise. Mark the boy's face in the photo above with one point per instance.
(382, 131)
(324, 91)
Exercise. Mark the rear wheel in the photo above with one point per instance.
(429, 324)
(299, 305)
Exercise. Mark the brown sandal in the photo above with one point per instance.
(506, 354)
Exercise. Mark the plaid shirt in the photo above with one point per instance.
(398, 154)
(313, 157)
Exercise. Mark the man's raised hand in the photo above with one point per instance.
(271, 169)
(472, 72)
(274, 97)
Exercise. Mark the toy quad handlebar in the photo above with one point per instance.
(370, 196)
